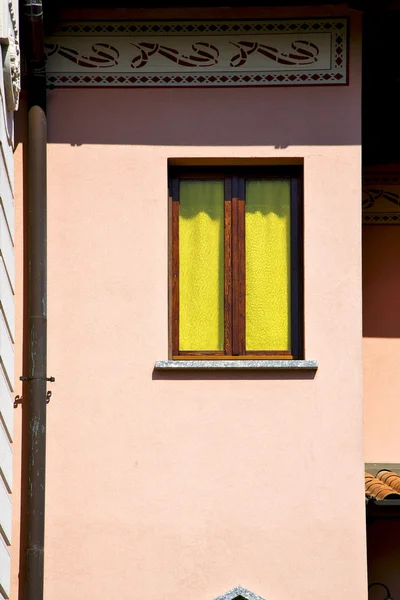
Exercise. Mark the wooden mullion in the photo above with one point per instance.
(175, 265)
(235, 267)
(241, 249)
(228, 266)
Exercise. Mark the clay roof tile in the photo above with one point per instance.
(390, 478)
(379, 488)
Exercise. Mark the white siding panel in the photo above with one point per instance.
(7, 300)
(5, 514)
(6, 351)
(6, 405)
(5, 459)
(5, 569)
(6, 246)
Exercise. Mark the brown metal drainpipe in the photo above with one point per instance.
(35, 319)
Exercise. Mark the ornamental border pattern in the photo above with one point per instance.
(205, 27)
(194, 80)
(273, 74)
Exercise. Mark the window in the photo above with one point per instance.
(236, 261)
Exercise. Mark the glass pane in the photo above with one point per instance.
(201, 265)
(268, 264)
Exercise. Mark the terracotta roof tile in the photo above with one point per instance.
(389, 478)
(385, 486)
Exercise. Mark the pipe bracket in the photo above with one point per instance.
(19, 399)
(52, 379)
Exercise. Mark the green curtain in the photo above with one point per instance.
(268, 264)
(201, 265)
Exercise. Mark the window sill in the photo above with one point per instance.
(279, 365)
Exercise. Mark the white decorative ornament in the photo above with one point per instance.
(11, 63)
(12, 74)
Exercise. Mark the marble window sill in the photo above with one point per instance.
(276, 365)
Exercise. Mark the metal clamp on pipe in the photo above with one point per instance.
(22, 378)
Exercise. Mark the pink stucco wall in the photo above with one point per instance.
(381, 343)
(162, 486)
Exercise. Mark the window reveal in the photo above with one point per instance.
(236, 257)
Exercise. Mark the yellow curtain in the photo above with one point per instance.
(201, 265)
(268, 264)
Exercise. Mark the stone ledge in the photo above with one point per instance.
(287, 365)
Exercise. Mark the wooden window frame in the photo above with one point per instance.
(234, 260)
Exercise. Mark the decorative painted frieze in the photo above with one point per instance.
(381, 198)
(199, 53)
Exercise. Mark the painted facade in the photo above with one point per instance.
(166, 482)
(178, 483)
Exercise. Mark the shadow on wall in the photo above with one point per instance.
(232, 375)
(204, 117)
(381, 281)
(383, 547)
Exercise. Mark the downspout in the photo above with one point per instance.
(35, 299)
